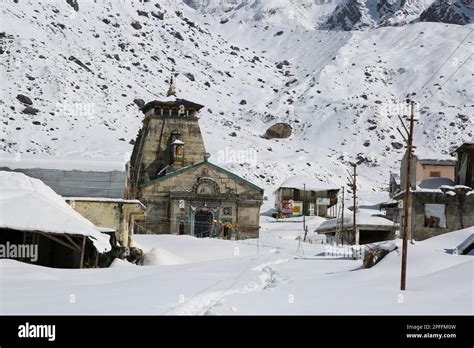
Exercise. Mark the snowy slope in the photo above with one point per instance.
(340, 91)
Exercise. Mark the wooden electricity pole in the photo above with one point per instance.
(342, 218)
(352, 178)
(407, 198)
(304, 213)
(354, 191)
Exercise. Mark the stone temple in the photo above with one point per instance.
(184, 193)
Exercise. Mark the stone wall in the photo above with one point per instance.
(155, 151)
(171, 201)
(101, 214)
(453, 220)
(118, 216)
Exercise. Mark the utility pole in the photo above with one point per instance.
(353, 185)
(342, 218)
(304, 214)
(407, 198)
(354, 190)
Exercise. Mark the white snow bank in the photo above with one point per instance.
(175, 250)
(263, 284)
(162, 257)
(121, 263)
(28, 204)
(448, 240)
(430, 255)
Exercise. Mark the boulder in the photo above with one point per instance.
(139, 102)
(28, 110)
(279, 131)
(24, 99)
(136, 25)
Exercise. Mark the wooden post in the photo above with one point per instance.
(82, 251)
(407, 200)
(342, 218)
(354, 190)
(304, 215)
(96, 262)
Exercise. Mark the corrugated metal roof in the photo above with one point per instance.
(78, 183)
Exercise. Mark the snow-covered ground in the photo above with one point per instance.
(186, 275)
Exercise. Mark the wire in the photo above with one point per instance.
(442, 65)
(440, 87)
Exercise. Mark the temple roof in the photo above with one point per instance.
(172, 103)
(215, 166)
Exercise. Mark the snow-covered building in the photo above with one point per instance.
(427, 166)
(307, 195)
(371, 228)
(439, 206)
(441, 202)
(33, 217)
(465, 164)
(120, 216)
(184, 193)
(394, 184)
(97, 194)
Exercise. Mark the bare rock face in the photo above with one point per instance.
(360, 14)
(345, 16)
(73, 4)
(279, 131)
(451, 11)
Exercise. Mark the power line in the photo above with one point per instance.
(447, 59)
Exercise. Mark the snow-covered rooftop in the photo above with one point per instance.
(79, 183)
(432, 158)
(435, 183)
(27, 204)
(363, 217)
(308, 183)
(100, 199)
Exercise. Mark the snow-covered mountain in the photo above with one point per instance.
(449, 11)
(358, 14)
(70, 76)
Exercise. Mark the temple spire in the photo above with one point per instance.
(172, 88)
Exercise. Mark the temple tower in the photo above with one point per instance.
(169, 139)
